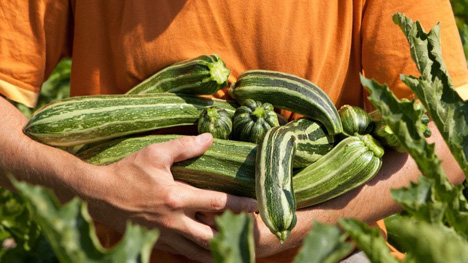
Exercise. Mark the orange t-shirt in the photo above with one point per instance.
(116, 44)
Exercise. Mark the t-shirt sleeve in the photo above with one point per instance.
(385, 50)
(35, 35)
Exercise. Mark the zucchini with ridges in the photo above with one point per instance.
(290, 92)
(273, 181)
(351, 163)
(86, 119)
(205, 74)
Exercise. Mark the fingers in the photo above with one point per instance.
(187, 147)
(198, 232)
(207, 218)
(212, 201)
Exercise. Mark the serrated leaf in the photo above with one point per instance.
(435, 89)
(403, 119)
(429, 243)
(324, 244)
(71, 234)
(234, 241)
(369, 240)
(420, 202)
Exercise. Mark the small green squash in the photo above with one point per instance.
(252, 120)
(216, 121)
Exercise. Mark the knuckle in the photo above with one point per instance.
(184, 143)
(174, 200)
(217, 203)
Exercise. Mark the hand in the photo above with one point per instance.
(141, 188)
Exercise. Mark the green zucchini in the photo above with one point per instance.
(286, 91)
(216, 121)
(273, 181)
(355, 120)
(81, 120)
(205, 74)
(252, 120)
(351, 163)
(313, 142)
(229, 166)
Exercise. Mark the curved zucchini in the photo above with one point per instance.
(351, 163)
(229, 166)
(286, 91)
(273, 181)
(205, 74)
(80, 120)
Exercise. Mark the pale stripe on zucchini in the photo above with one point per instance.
(86, 119)
(351, 163)
(290, 92)
(273, 181)
(205, 74)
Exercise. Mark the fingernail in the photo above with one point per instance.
(203, 138)
(253, 206)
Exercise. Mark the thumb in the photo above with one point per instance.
(187, 147)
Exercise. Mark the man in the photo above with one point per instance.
(115, 45)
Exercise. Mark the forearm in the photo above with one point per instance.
(34, 162)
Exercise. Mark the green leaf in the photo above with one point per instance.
(404, 119)
(463, 29)
(369, 240)
(429, 243)
(71, 234)
(324, 244)
(435, 89)
(419, 200)
(16, 222)
(234, 241)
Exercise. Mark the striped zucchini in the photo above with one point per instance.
(252, 120)
(311, 146)
(313, 142)
(351, 163)
(229, 166)
(226, 166)
(273, 181)
(288, 92)
(355, 120)
(80, 120)
(205, 74)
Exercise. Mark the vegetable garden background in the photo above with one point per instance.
(34, 227)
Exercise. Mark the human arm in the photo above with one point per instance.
(368, 203)
(139, 188)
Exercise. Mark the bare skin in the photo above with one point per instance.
(139, 188)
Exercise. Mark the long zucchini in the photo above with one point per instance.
(205, 74)
(229, 166)
(313, 143)
(86, 119)
(288, 92)
(273, 181)
(351, 163)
